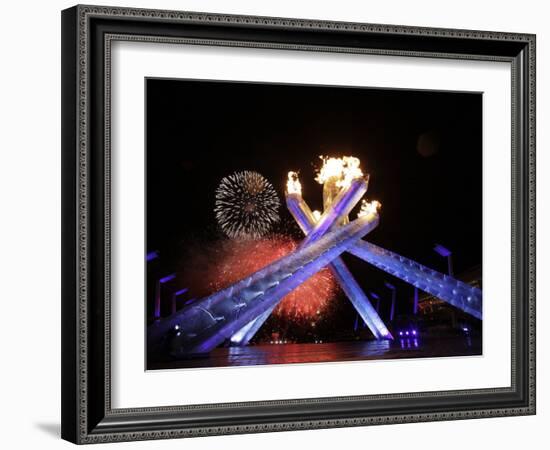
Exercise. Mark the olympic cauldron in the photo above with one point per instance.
(237, 312)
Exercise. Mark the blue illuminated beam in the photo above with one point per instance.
(304, 217)
(457, 293)
(206, 323)
(340, 207)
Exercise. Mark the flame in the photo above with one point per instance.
(316, 215)
(293, 185)
(369, 208)
(346, 169)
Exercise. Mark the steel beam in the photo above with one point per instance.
(206, 323)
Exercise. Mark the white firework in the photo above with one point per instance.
(247, 205)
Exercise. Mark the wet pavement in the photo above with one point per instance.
(330, 352)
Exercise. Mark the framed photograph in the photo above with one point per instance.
(281, 224)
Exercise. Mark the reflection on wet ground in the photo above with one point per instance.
(331, 352)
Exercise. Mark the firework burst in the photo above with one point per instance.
(310, 300)
(247, 206)
(216, 266)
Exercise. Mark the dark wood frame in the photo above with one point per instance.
(87, 32)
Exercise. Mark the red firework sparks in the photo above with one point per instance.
(236, 259)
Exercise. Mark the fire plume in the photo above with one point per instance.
(213, 267)
(369, 207)
(293, 185)
(344, 170)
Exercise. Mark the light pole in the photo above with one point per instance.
(377, 297)
(160, 282)
(152, 255)
(356, 324)
(174, 295)
(392, 309)
(446, 253)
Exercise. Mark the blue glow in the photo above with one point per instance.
(152, 255)
(240, 335)
(440, 285)
(167, 278)
(181, 291)
(443, 251)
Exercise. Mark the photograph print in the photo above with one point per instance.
(290, 223)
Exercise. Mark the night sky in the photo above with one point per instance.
(422, 149)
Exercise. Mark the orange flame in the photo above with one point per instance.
(293, 185)
(369, 207)
(345, 169)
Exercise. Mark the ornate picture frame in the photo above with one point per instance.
(88, 33)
